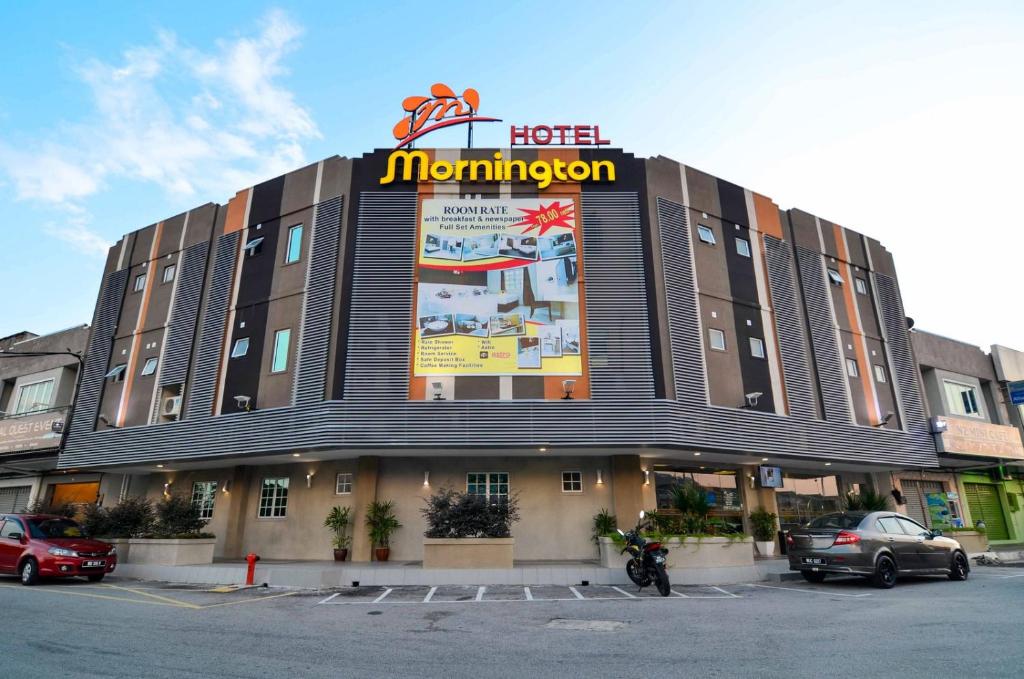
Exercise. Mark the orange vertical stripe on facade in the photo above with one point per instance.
(418, 385)
(851, 313)
(767, 213)
(235, 218)
(140, 323)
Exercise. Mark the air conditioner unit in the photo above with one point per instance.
(171, 407)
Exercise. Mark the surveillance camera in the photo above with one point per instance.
(243, 402)
(568, 386)
(438, 388)
(752, 398)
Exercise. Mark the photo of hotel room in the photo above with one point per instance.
(442, 247)
(570, 336)
(550, 341)
(562, 245)
(437, 324)
(528, 354)
(520, 247)
(504, 325)
(480, 247)
(555, 280)
(471, 324)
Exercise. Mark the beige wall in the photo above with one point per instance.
(553, 524)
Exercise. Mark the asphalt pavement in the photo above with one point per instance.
(844, 627)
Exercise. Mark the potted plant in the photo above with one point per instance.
(337, 520)
(762, 524)
(382, 523)
(605, 523)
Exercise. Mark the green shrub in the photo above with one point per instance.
(451, 514)
(176, 515)
(762, 524)
(95, 521)
(65, 509)
(133, 517)
(693, 505)
(867, 500)
(605, 523)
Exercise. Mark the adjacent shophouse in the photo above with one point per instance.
(577, 326)
(977, 435)
(38, 378)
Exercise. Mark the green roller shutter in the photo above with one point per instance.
(983, 501)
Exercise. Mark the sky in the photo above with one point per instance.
(903, 121)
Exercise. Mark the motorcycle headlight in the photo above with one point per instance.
(60, 551)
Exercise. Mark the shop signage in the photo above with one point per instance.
(982, 439)
(29, 432)
(1016, 390)
(498, 288)
(443, 108)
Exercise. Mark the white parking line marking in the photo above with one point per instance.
(808, 591)
(622, 591)
(734, 596)
(480, 593)
(680, 594)
(328, 598)
(381, 597)
(528, 593)
(430, 595)
(576, 593)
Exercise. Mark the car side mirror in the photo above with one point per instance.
(16, 536)
(936, 533)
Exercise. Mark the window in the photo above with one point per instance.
(273, 498)
(743, 247)
(294, 244)
(861, 285)
(241, 347)
(717, 339)
(706, 234)
(11, 526)
(756, 347)
(889, 525)
(572, 482)
(204, 494)
(140, 282)
(835, 277)
(912, 527)
(962, 399)
(254, 247)
(279, 362)
(851, 368)
(880, 373)
(116, 373)
(840, 521)
(34, 396)
(150, 367)
(343, 484)
(169, 272)
(491, 485)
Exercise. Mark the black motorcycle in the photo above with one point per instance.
(647, 560)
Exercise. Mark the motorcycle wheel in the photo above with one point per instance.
(634, 570)
(661, 578)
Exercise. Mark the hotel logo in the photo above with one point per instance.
(443, 108)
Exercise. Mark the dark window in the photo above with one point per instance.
(912, 527)
(841, 521)
(54, 528)
(889, 525)
(254, 247)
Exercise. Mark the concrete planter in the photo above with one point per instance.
(697, 561)
(169, 552)
(972, 541)
(765, 548)
(468, 552)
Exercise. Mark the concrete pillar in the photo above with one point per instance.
(237, 499)
(756, 498)
(364, 491)
(628, 489)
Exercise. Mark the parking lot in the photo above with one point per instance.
(129, 628)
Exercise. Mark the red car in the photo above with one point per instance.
(39, 545)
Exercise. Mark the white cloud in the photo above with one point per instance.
(189, 120)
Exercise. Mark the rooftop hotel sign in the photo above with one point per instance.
(443, 108)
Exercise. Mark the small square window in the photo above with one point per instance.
(572, 482)
(343, 484)
(743, 247)
(756, 347)
(716, 339)
(169, 271)
(254, 247)
(880, 374)
(861, 285)
(140, 282)
(116, 373)
(241, 347)
(150, 367)
(706, 234)
(851, 368)
(835, 277)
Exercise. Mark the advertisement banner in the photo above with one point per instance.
(498, 288)
(32, 431)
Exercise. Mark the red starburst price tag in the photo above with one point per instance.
(548, 216)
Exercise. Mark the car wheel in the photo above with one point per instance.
(97, 577)
(29, 572)
(813, 576)
(885, 573)
(960, 568)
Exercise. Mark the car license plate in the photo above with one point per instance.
(93, 564)
(814, 560)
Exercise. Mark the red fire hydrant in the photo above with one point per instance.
(250, 573)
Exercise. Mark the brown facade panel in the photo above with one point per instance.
(703, 190)
(299, 187)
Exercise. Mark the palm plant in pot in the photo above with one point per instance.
(337, 520)
(382, 523)
(762, 525)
